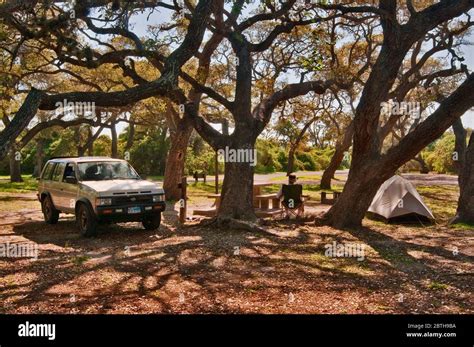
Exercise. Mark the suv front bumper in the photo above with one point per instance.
(129, 212)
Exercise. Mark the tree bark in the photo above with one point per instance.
(237, 188)
(465, 169)
(176, 160)
(15, 166)
(114, 148)
(337, 158)
(21, 120)
(460, 145)
(294, 146)
(131, 136)
(39, 157)
(90, 142)
(465, 210)
(291, 160)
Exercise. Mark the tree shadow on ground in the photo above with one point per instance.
(129, 270)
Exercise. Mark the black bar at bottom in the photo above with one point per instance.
(294, 330)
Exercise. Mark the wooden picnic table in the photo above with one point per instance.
(217, 201)
(261, 202)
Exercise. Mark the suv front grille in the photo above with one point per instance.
(124, 200)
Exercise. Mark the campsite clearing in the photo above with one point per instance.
(194, 269)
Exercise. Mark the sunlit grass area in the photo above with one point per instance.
(13, 203)
(29, 184)
(441, 200)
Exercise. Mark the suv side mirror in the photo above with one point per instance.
(143, 176)
(71, 179)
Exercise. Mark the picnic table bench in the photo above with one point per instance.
(326, 200)
(198, 175)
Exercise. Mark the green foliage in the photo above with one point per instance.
(64, 144)
(268, 157)
(148, 153)
(439, 155)
(314, 159)
(103, 146)
(202, 162)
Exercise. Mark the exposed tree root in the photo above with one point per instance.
(232, 223)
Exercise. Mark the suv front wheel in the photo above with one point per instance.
(152, 222)
(51, 215)
(86, 220)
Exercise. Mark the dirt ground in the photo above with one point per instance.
(195, 269)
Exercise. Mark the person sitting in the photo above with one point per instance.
(292, 196)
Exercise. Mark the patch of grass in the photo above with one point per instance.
(29, 184)
(202, 188)
(442, 200)
(394, 256)
(437, 286)
(463, 226)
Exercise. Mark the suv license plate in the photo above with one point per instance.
(134, 210)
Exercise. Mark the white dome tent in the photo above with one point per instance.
(397, 197)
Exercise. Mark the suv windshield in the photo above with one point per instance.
(100, 171)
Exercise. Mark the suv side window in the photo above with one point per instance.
(58, 172)
(69, 171)
(48, 170)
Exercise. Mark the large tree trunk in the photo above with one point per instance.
(237, 188)
(350, 208)
(291, 160)
(175, 160)
(337, 158)
(90, 142)
(15, 166)
(424, 169)
(459, 146)
(294, 146)
(131, 136)
(81, 150)
(465, 168)
(39, 157)
(330, 171)
(113, 131)
(465, 210)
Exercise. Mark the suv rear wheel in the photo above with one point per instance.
(51, 215)
(152, 222)
(86, 220)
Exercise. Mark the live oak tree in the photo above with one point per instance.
(421, 68)
(370, 166)
(256, 95)
(295, 118)
(58, 30)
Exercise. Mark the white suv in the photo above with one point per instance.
(98, 189)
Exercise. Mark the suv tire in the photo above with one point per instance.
(51, 215)
(86, 220)
(152, 222)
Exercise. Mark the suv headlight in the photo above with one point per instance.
(104, 201)
(158, 198)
